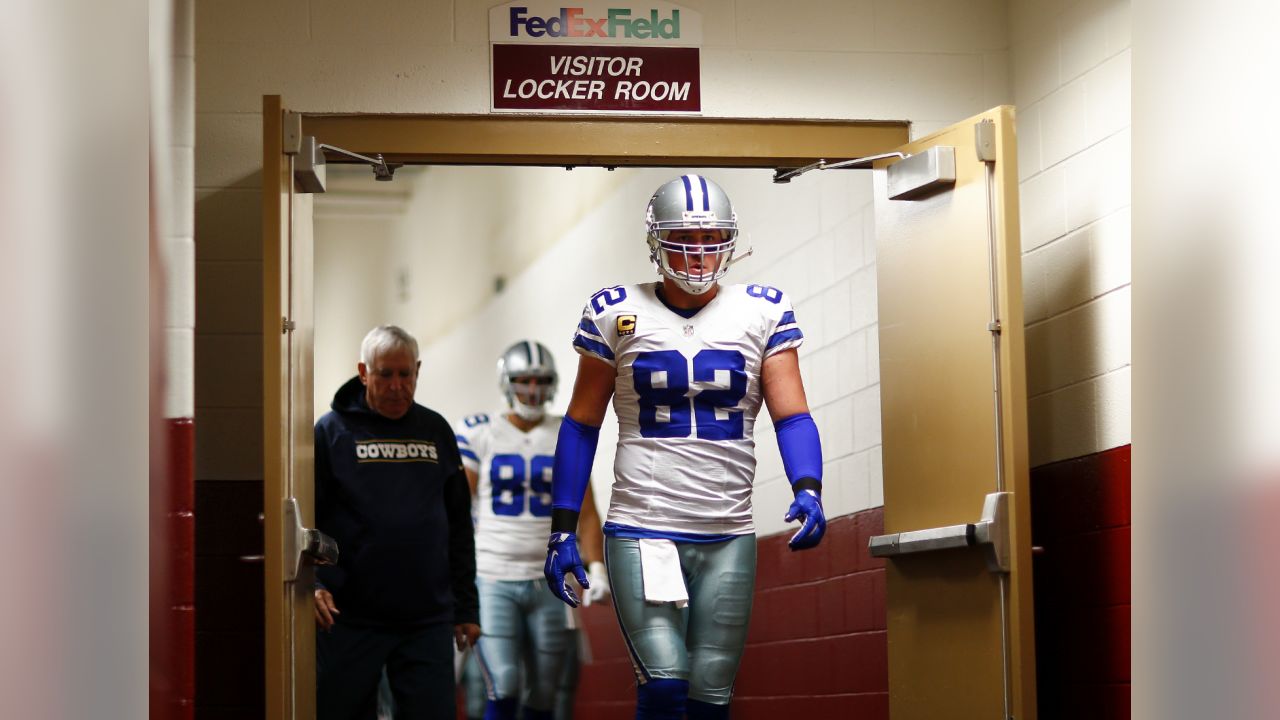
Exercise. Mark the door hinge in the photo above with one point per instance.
(984, 140)
(994, 327)
(287, 325)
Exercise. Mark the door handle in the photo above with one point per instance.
(303, 545)
(991, 533)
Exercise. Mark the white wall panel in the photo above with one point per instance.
(179, 398)
(866, 418)
(180, 279)
(1085, 342)
(1107, 104)
(276, 22)
(940, 25)
(228, 151)
(1110, 256)
(381, 23)
(1072, 85)
(1082, 36)
(1028, 129)
(821, 26)
(851, 363)
(835, 316)
(1043, 203)
(1062, 126)
(1098, 180)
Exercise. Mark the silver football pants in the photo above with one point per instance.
(703, 642)
(519, 620)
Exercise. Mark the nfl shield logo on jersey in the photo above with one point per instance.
(688, 331)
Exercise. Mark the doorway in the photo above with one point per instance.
(590, 148)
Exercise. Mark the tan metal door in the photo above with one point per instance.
(953, 399)
(287, 426)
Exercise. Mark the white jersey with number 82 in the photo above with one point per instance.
(686, 397)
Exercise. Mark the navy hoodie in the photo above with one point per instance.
(393, 494)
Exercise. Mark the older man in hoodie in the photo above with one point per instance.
(391, 490)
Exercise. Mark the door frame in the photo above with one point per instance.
(450, 139)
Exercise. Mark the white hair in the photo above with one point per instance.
(384, 339)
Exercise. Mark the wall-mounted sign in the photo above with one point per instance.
(596, 57)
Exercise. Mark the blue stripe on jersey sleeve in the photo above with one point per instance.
(593, 346)
(587, 326)
(468, 454)
(784, 336)
(462, 439)
(788, 317)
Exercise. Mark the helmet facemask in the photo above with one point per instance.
(527, 378)
(693, 203)
(703, 264)
(529, 395)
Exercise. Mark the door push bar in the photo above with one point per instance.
(304, 545)
(991, 533)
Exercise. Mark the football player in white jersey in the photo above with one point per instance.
(687, 363)
(508, 459)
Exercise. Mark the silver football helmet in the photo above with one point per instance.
(527, 378)
(691, 202)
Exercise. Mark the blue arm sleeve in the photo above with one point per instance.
(800, 447)
(575, 451)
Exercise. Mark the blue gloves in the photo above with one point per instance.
(807, 507)
(563, 561)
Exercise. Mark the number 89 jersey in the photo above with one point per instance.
(686, 397)
(513, 493)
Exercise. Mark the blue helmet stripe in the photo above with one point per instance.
(688, 193)
(785, 336)
(592, 346)
(706, 196)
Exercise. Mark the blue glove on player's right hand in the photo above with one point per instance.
(563, 561)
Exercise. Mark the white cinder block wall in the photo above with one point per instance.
(1071, 86)
(173, 165)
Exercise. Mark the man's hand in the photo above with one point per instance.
(563, 561)
(325, 609)
(599, 584)
(465, 635)
(807, 507)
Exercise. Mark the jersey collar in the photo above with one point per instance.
(682, 312)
